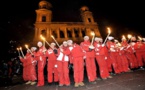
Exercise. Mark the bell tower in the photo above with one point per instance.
(43, 17)
(44, 14)
(86, 15)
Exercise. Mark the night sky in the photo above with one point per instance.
(18, 16)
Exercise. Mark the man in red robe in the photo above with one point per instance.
(52, 72)
(90, 59)
(41, 62)
(63, 63)
(76, 55)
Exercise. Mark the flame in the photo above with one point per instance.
(123, 37)
(42, 37)
(18, 49)
(26, 45)
(109, 31)
(129, 36)
(92, 33)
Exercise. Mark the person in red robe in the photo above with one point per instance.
(32, 66)
(76, 54)
(41, 62)
(63, 65)
(24, 61)
(89, 60)
(101, 54)
(113, 53)
(52, 72)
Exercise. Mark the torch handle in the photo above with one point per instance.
(48, 44)
(22, 53)
(56, 42)
(106, 38)
(92, 40)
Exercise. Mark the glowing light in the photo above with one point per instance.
(55, 40)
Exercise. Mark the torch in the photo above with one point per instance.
(139, 38)
(109, 32)
(28, 49)
(21, 51)
(45, 40)
(123, 37)
(93, 34)
(18, 51)
(129, 37)
(55, 41)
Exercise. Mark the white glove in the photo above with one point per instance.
(112, 50)
(84, 57)
(103, 45)
(92, 47)
(98, 45)
(44, 51)
(105, 58)
(121, 48)
(55, 66)
(34, 61)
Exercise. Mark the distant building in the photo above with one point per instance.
(63, 30)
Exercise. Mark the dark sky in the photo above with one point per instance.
(123, 16)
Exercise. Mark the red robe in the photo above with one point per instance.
(89, 60)
(41, 59)
(76, 54)
(51, 66)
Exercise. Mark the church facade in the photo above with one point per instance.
(63, 30)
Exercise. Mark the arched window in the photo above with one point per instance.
(89, 19)
(83, 33)
(61, 34)
(44, 7)
(43, 32)
(69, 34)
(54, 34)
(43, 18)
(76, 33)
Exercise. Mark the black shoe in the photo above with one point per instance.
(49, 84)
(56, 83)
(141, 68)
(60, 85)
(93, 82)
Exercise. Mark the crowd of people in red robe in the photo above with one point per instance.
(111, 57)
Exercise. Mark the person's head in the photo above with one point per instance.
(33, 49)
(96, 39)
(116, 41)
(110, 38)
(133, 38)
(69, 42)
(52, 45)
(65, 43)
(100, 40)
(86, 38)
(39, 44)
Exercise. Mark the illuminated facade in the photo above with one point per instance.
(63, 30)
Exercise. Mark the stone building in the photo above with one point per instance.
(63, 30)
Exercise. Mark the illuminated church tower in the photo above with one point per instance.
(86, 15)
(63, 30)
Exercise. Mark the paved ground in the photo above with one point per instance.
(125, 81)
